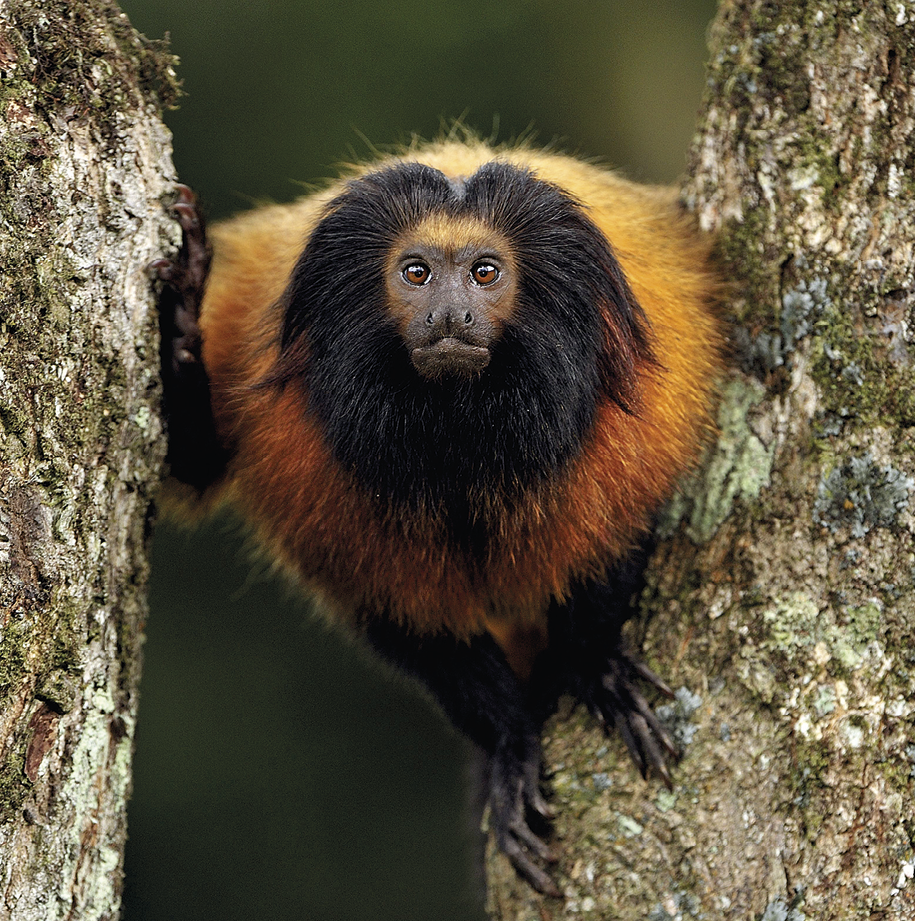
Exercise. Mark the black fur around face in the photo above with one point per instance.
(449, 443)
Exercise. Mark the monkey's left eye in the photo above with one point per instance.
(417, 274)
(484, 273)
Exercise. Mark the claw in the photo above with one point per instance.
(187, 215)
(646, 674)
(663, 772)
(161, 268)
(653, 756)
(530, 791)
(526, 868)
(623, 727)
(541, 806)
(522, 833)
(185, 193)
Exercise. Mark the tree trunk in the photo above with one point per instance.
(85, 171)
(783, 598)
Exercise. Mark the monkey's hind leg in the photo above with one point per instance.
(195, 454)
(480, 694)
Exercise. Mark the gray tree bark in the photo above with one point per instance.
(84, 175)
(783, 598)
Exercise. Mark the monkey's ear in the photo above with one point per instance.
(626, 352)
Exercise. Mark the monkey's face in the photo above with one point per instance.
(451, 284)
(456, 335)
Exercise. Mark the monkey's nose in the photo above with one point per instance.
(449, 320)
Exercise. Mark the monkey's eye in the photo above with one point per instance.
(418, 273)
(484, 273)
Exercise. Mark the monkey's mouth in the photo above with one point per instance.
(450, 357)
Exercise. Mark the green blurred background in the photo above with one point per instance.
(279, 773)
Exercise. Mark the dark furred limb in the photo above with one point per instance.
(588, 658)
(194, 453)
(479, 693)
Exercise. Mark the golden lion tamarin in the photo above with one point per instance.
(449, 394)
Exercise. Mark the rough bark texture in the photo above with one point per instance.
(784, 596)
(83, 166)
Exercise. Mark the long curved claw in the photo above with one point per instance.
(644, 748)
(646, 674)
(620, 703)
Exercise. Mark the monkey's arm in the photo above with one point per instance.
(195, 455)
(588, 658)
(482, 696)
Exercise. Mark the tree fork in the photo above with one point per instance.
(782, 598)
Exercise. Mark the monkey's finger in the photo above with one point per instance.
(643, 747)
(646, 674)
(193, 263)
(187, 215)
(186, 209)
(635, 751)
(531, 790)
(652, 753)
(642, 707)
(522, 832)
(526, 868)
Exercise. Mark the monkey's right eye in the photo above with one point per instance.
(418, 273)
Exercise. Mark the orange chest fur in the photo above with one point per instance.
(362, 553)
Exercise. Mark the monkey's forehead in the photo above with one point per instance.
(453, 234)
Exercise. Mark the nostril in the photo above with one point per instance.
(446, 321)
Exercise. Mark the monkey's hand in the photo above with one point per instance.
(593, 662)
(195, 454)
(514, 792)
(614, 697)
(184, 280)
(475, 686)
